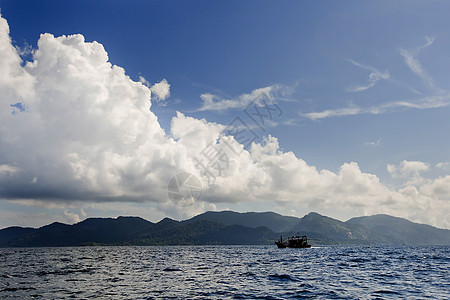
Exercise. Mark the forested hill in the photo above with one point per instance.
(226, 228)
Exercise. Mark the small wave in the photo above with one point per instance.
(86, 270)
(386, 292)
(65, 259)
(210, 275)
(384, 275)
(75, 279)
(114, 279)
(281, 277)
(305, 294)
(172, 270)
(85, 258)
(65, 271)
(359, 260)
(14, 289)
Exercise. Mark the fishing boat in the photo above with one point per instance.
(295, 241)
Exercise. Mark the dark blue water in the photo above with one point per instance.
(233, 272)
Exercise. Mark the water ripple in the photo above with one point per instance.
(225, 272)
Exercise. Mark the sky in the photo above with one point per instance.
(174, 108)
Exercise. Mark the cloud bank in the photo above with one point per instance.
(86, 132)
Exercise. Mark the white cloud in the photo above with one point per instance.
(407, 168)
(440, 98)
(144, 81)
(185, 212)
(270, 93)
(410, 170)
(161, 90)
(438, 188)
(15, 82)
(8, 169)
(437, 101)
(71, 217)
(376, 143)
(374, 77)
(347, 111)
(87, 135)
(410, 58)
(25, 50)
(443, 165)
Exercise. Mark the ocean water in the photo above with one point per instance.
(226, 272)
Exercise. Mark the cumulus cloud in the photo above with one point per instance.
(407, 168)
(86, 133)
(438, 188)
(410, 170)
(161, 90)
(15, 82)
(442, 165)
(72, 217)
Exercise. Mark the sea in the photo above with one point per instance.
(225, 272)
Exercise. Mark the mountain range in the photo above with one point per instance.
(227, 228)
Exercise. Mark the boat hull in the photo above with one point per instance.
(293, 242)
(287, 246)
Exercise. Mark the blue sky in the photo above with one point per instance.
(363, 82)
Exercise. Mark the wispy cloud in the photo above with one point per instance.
(410, 58)
(272, 93)
(440, 98)
(374, 77)
(423, 103)
(376, 143)
(292, 122)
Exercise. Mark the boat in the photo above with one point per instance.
(295, 241)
